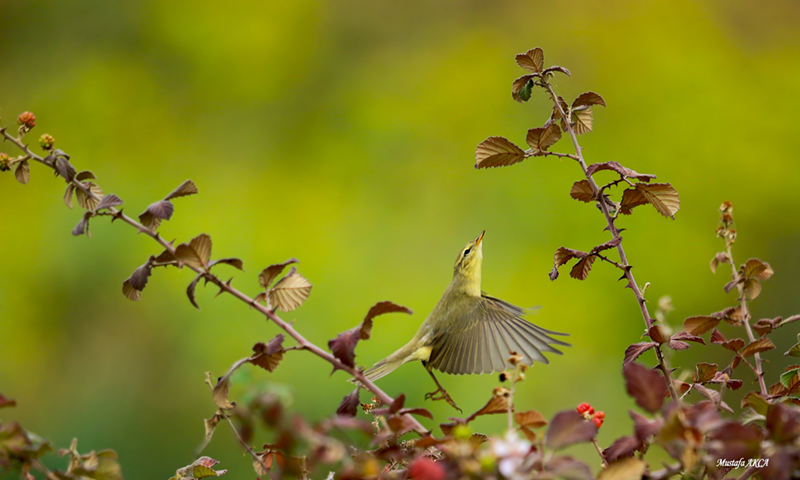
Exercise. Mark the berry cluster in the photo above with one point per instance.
(589, 414)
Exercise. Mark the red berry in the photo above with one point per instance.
(27, 119)
(600, 415)
(424, 468)
(584, 408)
(597, 421)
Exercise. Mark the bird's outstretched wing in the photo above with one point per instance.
(480, 341)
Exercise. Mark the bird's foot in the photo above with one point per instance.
(441, 394)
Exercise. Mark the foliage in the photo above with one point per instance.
(705, 438)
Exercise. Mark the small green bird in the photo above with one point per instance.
(469, 331)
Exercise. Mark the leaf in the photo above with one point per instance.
(622, 447)
(220, 393)
(416, 411)
(85, 175)
(625, 469)
(233, 262)
(787, 377)
(83, 226)
(521, 87)
(752, 288)
(794, 351)
(647, 387)
(657, 334)
(556, 68)
(532, 60)
(582, 121)
(349, 405)
(569, 427)
(379, 308)
(644, 427)
(271, 273)
(497, 152)
(200, 468)
(133, 286)
(704, 372)
(65, 169)
(758, 346)
(567, 468)
(662, 196)
(68, 193)
(130, 292)
(783, 423)
(268, 356)
(86, 201)
(724, 378)
(290, 291)
(721, 257)
(196, 253)
(582, 190)
(530, 419)
(633, 351)
(499, 403)
(191, 288)
(582, 268)
(755, 268)
(148, 220)
(686, 337)
(616, 167)
(542, 138)
(588, 99)
(7, 402)
(186, 188)
(108, 201)
(756, 402)
(699, 325)
(162, 210)
(23, 172)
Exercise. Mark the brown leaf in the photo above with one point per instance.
(343, 346)
(148, 220)
(633, 351)
(625, 469)
(520, 84)
(734, 440)
(704, 372)
(379, 308)
(622, 447)
(582, 121)
(271, 273)
(717, 337)
(532, 60)
(568, 468)
(721, 257)
(83, 226)
(647, 387)
(530, 419)
(191, 288)
(582, 268)
(569, 427)
(732, 383)
(752, 288)
(699, 325)
(631, 198)
(186, 188)
(644, 427)
(734, 344)
(161, 210)
(86, 201)
(130, 292)
(196, 253)
(220, 393)
(556, 68)
(68, 193)
(499, 403)
(139, 277)
(687, 337)
(542, 138)
(615, 166)
(7, 402)
(582, 190)
(657, 334)
(85, 175)
(233, 262)
(755, 268)
(588, 99)
(497, 152)
(23, 172)
(756, 402)
(269, 355)
(758, 346)
(416, 411)
(349, 405)
(290, 291)
(108, 201)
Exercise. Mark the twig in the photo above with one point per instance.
(746, 316)
(545, 153)
(47, 473)
(600, 452)
(306, 345)
(615, 233)
(247, 447)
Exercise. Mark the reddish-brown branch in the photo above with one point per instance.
(615, 233)
(306, 345)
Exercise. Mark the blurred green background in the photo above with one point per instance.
(343, 133)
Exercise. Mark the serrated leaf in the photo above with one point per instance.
(647, 387)
(756, 402)
(532, 60)
(270, 273)
(68, 193)
(525, 93)
(582, 121)
(794, 351)
(588, 99)
(625, 469)
(752, 288)
(23, 172)
(497, 152)
(65, 169)
(521, 87)
(562, 256)
(634, 351)
(85, 175)
(616, 167)
(581, 269)
(196, 253)
(631, 198)
(161, 210)
(704, 372)
(344, 345)
(290, 291)
(556, 68)
(233, 262)
(700, 325)
(83, 226)
(542, 138)
(220, 393)
(530, 419)
(186, 188)
(86, 201)
(582, 190)
(755, 268)
(758, 346)
(349, 405)
(569, 427)
(268, 356)
(499, 403)
(130, 292)
(721, 257)
(787, 376)
(109, 201)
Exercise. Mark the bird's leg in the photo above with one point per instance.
(441, 393)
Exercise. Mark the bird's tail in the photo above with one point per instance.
(389, 364)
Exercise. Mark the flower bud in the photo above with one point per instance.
(4, 162)
(47, 141)
(27, 120)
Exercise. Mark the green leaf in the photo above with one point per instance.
(525, 92)
(786, 377)
(794, 351)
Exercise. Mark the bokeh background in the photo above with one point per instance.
(343, 133)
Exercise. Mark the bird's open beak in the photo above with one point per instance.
(480, 239)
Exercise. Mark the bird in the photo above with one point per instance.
(469, 331)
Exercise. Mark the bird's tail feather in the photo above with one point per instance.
(389, 364)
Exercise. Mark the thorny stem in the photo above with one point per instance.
(555, 154)
(746, 316)
(615, 233)
(600, 452)
(223, 286)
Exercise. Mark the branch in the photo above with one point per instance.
(615, 233)
(225, 287)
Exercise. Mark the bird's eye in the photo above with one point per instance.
(466, 252)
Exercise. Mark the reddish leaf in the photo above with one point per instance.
(621, 448)
(349, 405)
(717, 337)
(699, 325)
(644, 427)
(269, 355)
(755, 268)
(562, 256)
(704, 372)
(657, 334)
(108, 201)
(647, 387)
(687, 337)
(588, 99)
(7, 402)
(758, 346)
(499, 403)
(416, 411)
(569, 427)
(186, 188)
(734, 440)
(633, 351)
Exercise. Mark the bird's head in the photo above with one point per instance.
(468, 263)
